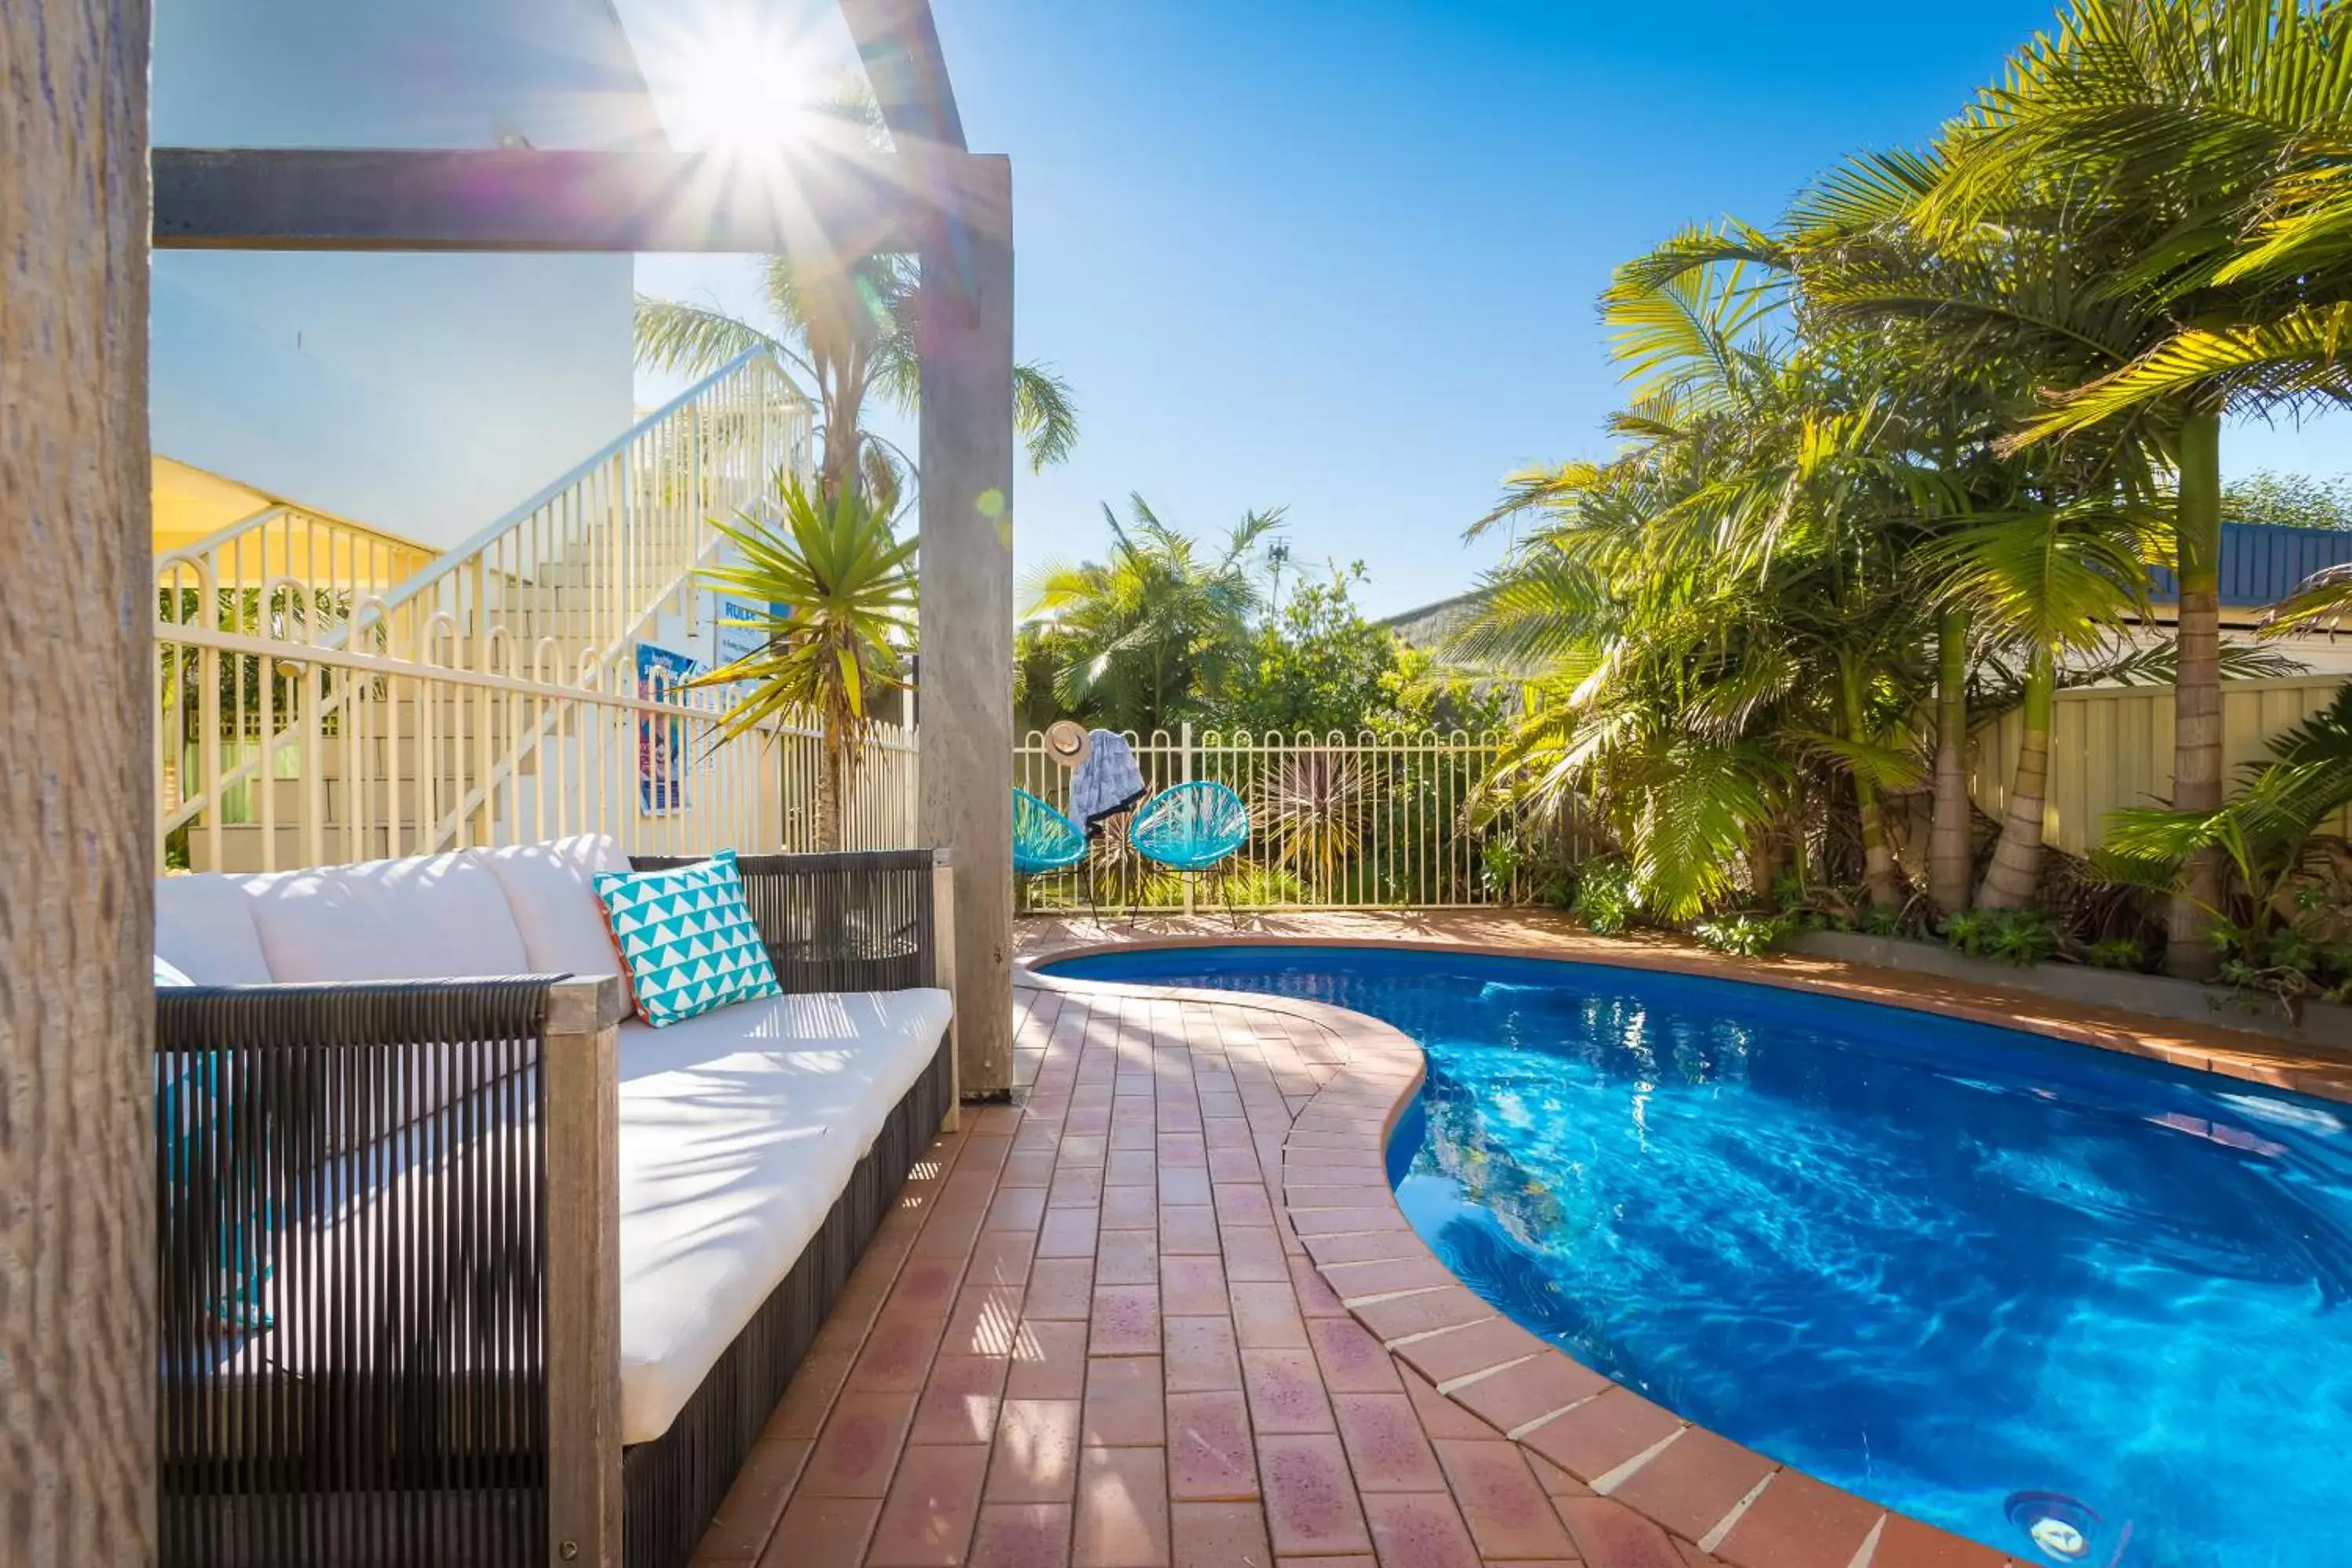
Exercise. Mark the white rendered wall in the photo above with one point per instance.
(422, 394)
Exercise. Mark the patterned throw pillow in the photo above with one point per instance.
(686, 938)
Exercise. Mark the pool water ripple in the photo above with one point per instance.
(1973, 1274)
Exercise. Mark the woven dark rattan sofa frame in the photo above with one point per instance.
(441, 1383)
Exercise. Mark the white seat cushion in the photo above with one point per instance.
(554, 903)
(204, 928)
(431, 917)
(739, 1129)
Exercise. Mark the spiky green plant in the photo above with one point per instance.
(847, 588)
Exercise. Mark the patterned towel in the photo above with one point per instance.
(1105, 784)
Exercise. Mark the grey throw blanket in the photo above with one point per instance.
(1105, 784)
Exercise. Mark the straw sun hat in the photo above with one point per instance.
(1069, 743)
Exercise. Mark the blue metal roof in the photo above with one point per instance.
(2260, 565)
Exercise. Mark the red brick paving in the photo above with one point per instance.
(1165, 1315)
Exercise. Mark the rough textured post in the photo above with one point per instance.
(76, 1011)
(943, 974)
(965, 347)
(581, 1066)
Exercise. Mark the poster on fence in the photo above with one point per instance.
(661, 739)
(731, 642)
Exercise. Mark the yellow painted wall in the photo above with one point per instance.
(193, 504)
(2111, 746)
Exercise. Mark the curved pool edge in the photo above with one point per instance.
(2261, 1059)
(1720, 1501)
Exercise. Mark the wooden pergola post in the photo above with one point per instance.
(77, 606)
(964, 348)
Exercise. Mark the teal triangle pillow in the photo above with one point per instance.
(686, 938)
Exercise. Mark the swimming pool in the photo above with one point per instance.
(1983, 1276)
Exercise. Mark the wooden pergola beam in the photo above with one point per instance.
(900, 43)
(533, 200)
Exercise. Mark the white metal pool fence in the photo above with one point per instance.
(1336, 822)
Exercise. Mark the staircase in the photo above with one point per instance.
(327, 698)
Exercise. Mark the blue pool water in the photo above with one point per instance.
(1973, 1274)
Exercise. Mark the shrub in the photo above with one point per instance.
(2012, 936)
(1254, 886)
(1741, 936)
(1606, 899)
(2290, 963)
(2117, 952)
(1525, 864)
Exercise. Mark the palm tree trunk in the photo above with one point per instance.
(2197, 721)
(1765, 857)
(1948, 860)
(845, 396)
(2016, 874)
(828, 794)
(1877, 853)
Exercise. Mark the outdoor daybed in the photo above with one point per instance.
(460, 1265)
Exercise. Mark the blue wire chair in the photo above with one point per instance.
(1191, 830)
(1046, 841)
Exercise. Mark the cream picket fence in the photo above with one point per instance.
(375, 755)
(1336, 822)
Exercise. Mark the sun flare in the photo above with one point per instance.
(738, 85)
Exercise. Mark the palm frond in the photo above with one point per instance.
(2319, 602)
(2305, 357)
(676, 336)
(1046, 414)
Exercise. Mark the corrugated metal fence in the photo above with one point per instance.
(2111, 746)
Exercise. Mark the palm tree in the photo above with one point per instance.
(847, 588)
(849, 337)
(2195, 148)
(1812, 489)
(849, 331)
(1982, 319)
(1156, 623)
(2049, 581)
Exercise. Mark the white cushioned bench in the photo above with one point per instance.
(738, 1128)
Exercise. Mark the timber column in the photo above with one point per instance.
(965, 346)
(76, 792)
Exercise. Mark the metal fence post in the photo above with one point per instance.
(1184, 775)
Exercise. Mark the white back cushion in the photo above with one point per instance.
(429, 917)
(204, 929)
(554, 903)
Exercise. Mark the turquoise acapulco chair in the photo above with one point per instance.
(1193, 830)
(1045, 841)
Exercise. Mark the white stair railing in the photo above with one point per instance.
(551, 596)
(588, 560)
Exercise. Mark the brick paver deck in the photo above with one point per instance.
(1166, 1314)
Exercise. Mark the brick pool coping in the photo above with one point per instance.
(2264, 1060)
(1720, 1500)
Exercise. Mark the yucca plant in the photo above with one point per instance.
(847, 588)
(1318, 802)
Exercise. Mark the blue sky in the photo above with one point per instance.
(1343, 257)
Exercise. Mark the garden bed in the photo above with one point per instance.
(2319, 1025)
